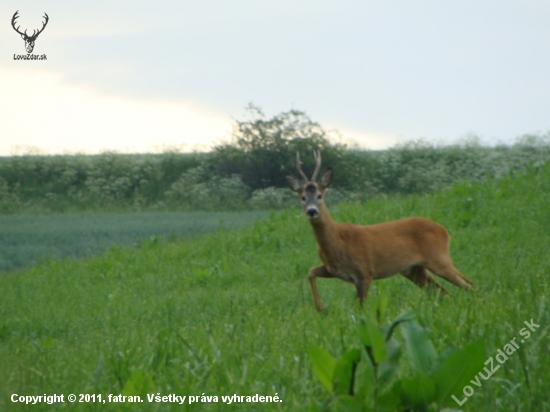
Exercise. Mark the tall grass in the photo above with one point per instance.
(231, 312)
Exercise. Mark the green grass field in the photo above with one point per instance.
(28, 239)
(231, 312)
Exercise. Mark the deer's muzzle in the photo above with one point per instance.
(312, 212)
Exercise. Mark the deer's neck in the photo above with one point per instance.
(326, 234)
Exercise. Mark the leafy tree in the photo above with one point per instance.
(262, 149)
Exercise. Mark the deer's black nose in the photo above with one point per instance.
(311, 212)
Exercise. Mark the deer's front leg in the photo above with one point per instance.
(317, 272)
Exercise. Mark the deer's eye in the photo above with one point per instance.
(303, 198)
(319, 196)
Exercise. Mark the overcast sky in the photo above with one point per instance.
(144, 76)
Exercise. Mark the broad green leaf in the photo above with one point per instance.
(457, 370)
(419, 347)
(389, 368)
(417, 392)
(390, 400)
(343, 377)
(365, 380)
(364, 333)
(323, 365)
(405, 316)
(372, 338)
(139, 383)
(347, 403)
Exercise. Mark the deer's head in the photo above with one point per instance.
(29, 40)
(311, 191)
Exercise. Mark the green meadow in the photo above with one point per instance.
(28, 239)
(231, 313)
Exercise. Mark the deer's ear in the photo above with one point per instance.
(326, 179)
(293, 183)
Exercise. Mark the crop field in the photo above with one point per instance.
(28, 239)
(231, 312)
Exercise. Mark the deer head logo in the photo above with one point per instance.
(29, 40)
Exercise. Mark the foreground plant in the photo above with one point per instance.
(368, 378)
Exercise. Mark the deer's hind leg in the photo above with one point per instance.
(362, 287)
(422, 278)
(446, 270)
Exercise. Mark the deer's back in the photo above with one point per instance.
(391, 247)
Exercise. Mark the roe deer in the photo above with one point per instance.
(358, 254)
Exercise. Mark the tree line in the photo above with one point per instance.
(248, 170)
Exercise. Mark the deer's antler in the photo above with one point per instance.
(299, 167)
(317, 156)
